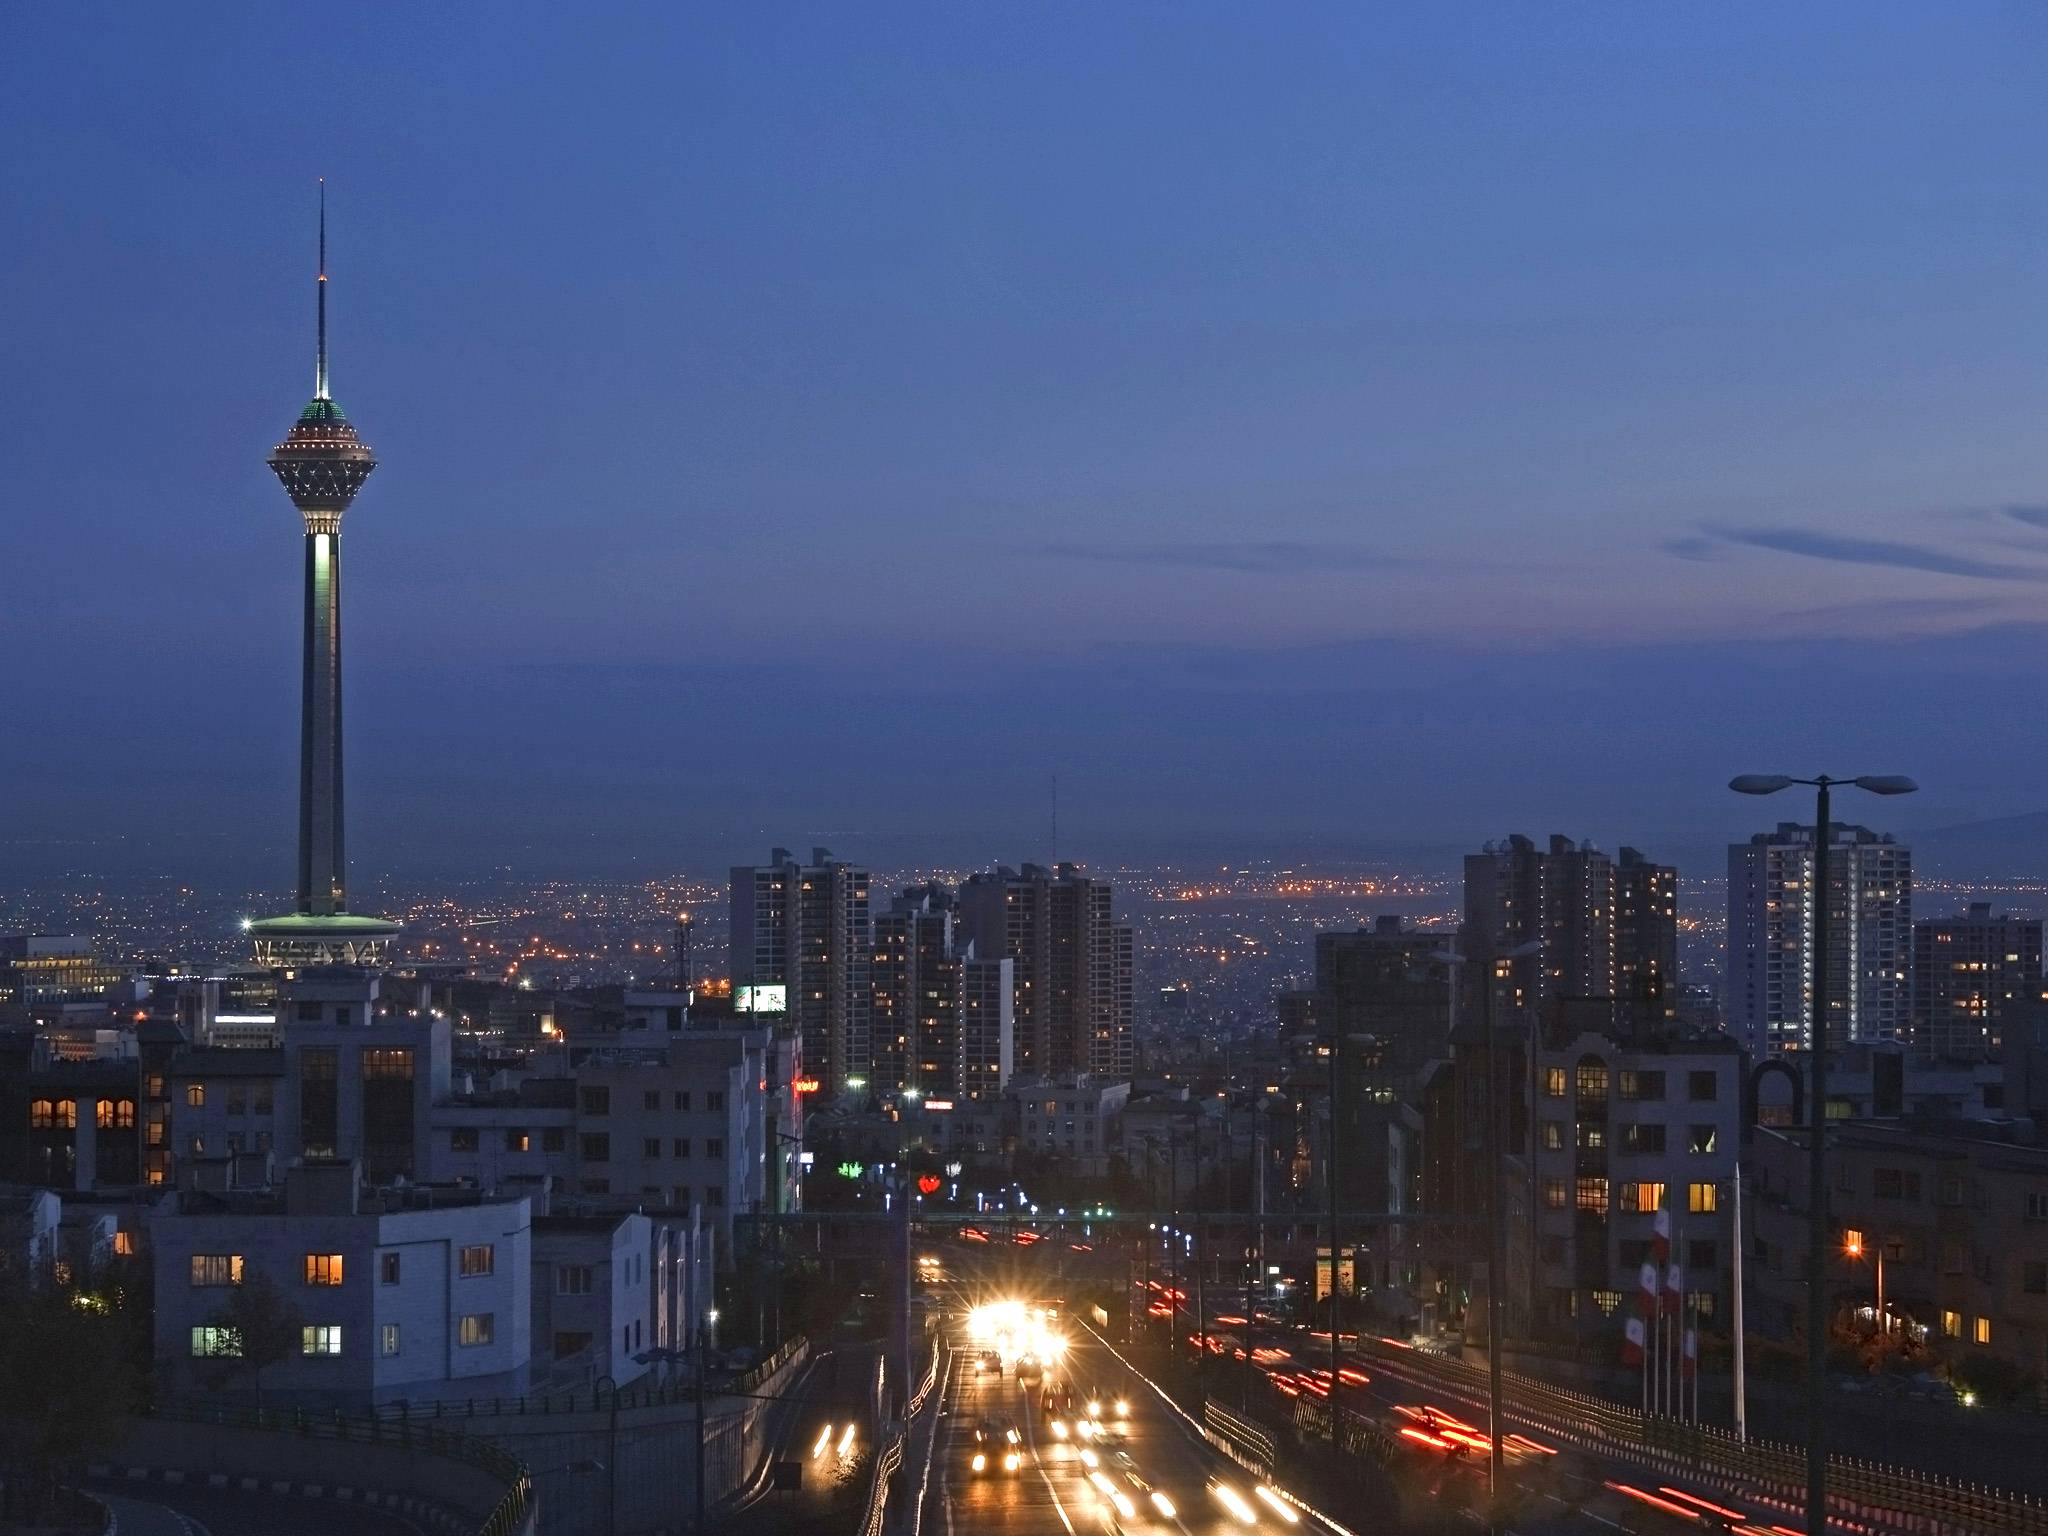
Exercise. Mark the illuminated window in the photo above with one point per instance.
(195, 1095)
(478, 1259)
(216, 1269)
(1952, 1324)
(1592, 1194)
(210, 1342)
(1981, 1330)
(1702, 1139)
(1553, 1082)
(103, 1114)
(53, 1115)
(477, 1328)
(124, 1244)
(320, 1339)
(124, 1114)
(323, 1269)
(1553, 1194)
(1607, 1301)
(1703, 1199)
(1592, 1080)
(1643, 1197)
(388, 1340)
(1553, 1135)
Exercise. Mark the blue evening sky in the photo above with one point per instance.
(1305, 425)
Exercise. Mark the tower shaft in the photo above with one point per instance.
(323, 865)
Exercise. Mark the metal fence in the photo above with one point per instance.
(1865, 1492)
(887, 1459)
(506, 1519)
(589, 1399)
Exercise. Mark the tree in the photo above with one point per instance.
(262, 1328)
(66, 1385)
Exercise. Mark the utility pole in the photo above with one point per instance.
(703, 1342)
(611, 1452)
(1741, 1396)
(1174, 1249)
(1495, 1263)
(1336, 1360)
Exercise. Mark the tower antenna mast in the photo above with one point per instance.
(320, 371)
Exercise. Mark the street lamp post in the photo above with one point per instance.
(1852, 1245)
(1495, 1228)
(611, 1454)
(1817, 1116)
(781, 1209)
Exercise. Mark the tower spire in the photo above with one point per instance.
(320, 372)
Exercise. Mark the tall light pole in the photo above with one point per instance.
(1495, 1228)
(1817, 1242)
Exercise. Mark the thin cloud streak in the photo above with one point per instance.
(1273, 556)
(1887, 553)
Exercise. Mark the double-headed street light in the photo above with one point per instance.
(1818, 1242)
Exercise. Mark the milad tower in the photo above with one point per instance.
(322, 464)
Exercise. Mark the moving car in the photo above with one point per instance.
(996, 1447)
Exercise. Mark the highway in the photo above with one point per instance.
(1072, 1483)
(1441, 1432)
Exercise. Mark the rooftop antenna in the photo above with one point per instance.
(320, 373)
(1055, 850)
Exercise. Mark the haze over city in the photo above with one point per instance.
(1372, 433)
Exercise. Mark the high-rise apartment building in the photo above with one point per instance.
(1969, 972)
(1386, 981)
(1072, 962)
(1609, 929)
(802, 941)
(941, 1019)
(914, 1020)
(988, 1002)
(1772, 917)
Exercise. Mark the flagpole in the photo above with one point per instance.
(1692, 1355)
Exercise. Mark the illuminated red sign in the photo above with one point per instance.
(928, 1184)
(806, 1085)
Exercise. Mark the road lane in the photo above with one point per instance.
(1072, 1481)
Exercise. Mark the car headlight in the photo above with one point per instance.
(1123, 1409)
(1012, 1462)
(980, 1462)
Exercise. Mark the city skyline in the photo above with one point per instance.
(1467, 479)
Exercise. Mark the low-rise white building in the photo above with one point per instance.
(421, 1293)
